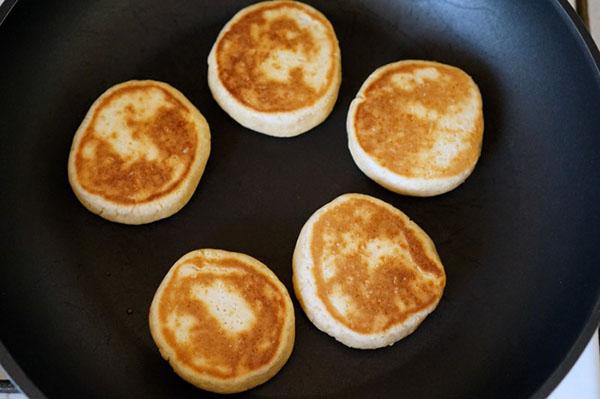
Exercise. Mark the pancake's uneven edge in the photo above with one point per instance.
(277, 124)
(232, 385)
(305, 286)
(420, 187)
(156, 209)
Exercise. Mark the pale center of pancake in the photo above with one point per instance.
(139, 145)
(371, 270)
(278, 58)
(226, 305)
(182, 325)
(410, 81)
(113, 126)
(421, 121)
(221, 317)
(282, 60)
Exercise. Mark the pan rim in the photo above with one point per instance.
(5, 8)
(593, 322)
(20, 379)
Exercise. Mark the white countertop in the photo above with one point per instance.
(583, 381)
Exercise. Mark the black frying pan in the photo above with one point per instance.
(519, 239)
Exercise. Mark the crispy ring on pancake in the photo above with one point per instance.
(416, 127)
(364, 273)
(223, 320)
(139, 154)
(276, 68)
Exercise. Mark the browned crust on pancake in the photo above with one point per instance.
(374, 294)
(395, 139)
(108, 175)
(239, 55)
(240, 353)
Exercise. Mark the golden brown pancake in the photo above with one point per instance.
(416, 127)
(275, 65)
(364, 273)
(223, 320)
(139, 153)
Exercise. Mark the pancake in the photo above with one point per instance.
(364, 273)
(223, 320)
(276, 68)
(139, 153)
(416, 127)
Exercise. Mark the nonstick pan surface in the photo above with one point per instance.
(519, 239)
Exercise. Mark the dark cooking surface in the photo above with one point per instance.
(519, 239)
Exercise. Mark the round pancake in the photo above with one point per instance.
(139, 153)
(416, 127)
(223, 320)
(364, 273)
(276, 68)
